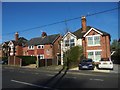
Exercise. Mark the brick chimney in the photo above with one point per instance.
(44, 34)
(16, 36)
(83, 23)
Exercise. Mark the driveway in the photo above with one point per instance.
(115, 70)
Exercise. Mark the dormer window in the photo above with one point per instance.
(40, 46)
(30, 47)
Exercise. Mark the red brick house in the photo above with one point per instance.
(44, 47)
(14, 47)
(95, 42)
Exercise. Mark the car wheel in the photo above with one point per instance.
(80, 68)
(111, 68)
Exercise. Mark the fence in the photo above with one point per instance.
(15, 61)
(45, 62)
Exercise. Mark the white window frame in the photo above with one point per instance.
(94, 53)
(30, 47)
(69, 42)
(40, 46)
(93, 36)
(31, 55)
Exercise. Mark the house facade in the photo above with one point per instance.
(13, 47)
(44, 47)
(95, 42)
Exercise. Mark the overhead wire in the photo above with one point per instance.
(63, 21)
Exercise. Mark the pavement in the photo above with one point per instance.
(115, 70)
(59, 67)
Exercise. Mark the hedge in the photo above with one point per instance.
(26, 60)
(4, 58)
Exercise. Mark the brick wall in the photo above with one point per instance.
(56, 49)
(30, 52)
(40, 51)
(19, 50)
(48, 51)
(25, 52)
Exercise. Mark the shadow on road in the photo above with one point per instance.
(57, 82)
(54, 77)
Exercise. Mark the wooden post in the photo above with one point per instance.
(45, 62)
(37, 63)
(8, 60)
(20, 62)
(14, 60)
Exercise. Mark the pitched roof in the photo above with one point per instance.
(80, 34)
(21, 41)
(41, 41)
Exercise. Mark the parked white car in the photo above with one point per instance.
(105, 63)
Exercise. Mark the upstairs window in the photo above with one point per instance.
(30, 47)
(90, 40)
(97, 40)
(66, 42)
(70, 42)
(40, 46)
(93, 40)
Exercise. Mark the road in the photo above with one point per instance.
(33, 78)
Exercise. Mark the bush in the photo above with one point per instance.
(116, 57)
(4, 58)
(26, 60)
(72, 56)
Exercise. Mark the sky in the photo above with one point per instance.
(20, 16)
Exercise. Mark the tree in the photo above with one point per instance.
(72, 56)
(115, 46)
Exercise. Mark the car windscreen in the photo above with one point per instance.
(87, 60)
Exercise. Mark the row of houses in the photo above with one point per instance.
(95, 43)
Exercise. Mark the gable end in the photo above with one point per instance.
(91, 30)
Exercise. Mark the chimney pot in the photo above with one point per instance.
(16, 36)
(44, 34)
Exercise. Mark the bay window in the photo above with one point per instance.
(95, 55)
